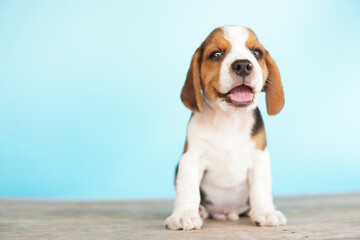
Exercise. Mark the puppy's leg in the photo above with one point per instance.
(186, 212)
(262, 210)
(203, 213)
(233, 216)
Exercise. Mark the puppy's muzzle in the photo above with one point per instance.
(242, 67)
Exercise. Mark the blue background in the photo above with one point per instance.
(89, 93)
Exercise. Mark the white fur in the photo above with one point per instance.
(222, 159)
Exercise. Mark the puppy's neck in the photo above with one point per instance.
(214, 110)
(226, 119)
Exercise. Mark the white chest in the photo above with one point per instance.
(227, 151)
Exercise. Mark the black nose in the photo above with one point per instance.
(242, 67)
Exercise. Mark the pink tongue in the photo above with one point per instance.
(241, 94)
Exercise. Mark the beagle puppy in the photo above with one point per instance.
(225, 168)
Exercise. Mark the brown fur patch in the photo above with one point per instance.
(210, 70)
(260, 139)
(273, 87)
(271, 76)
(258, 131)
(253, 43)
(185, 146)
(191, 92)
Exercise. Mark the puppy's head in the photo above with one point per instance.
(230, 69)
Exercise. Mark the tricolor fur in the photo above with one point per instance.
(225, 169)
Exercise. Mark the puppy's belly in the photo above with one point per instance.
(220, 199)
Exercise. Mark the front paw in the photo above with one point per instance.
(262, 217)
(186, 220)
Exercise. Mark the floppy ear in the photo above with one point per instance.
(191, 92)
(273, 87)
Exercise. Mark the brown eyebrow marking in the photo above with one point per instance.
(213, 37)
(253, 41)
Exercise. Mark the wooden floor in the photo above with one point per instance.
(312, 217)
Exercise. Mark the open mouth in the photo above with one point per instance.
(240, 96)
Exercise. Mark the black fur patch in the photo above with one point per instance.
(259, 123)
(176, 172)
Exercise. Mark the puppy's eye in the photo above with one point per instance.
(216, 55)
(257, 53)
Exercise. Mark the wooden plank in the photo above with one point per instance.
(309, 217)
